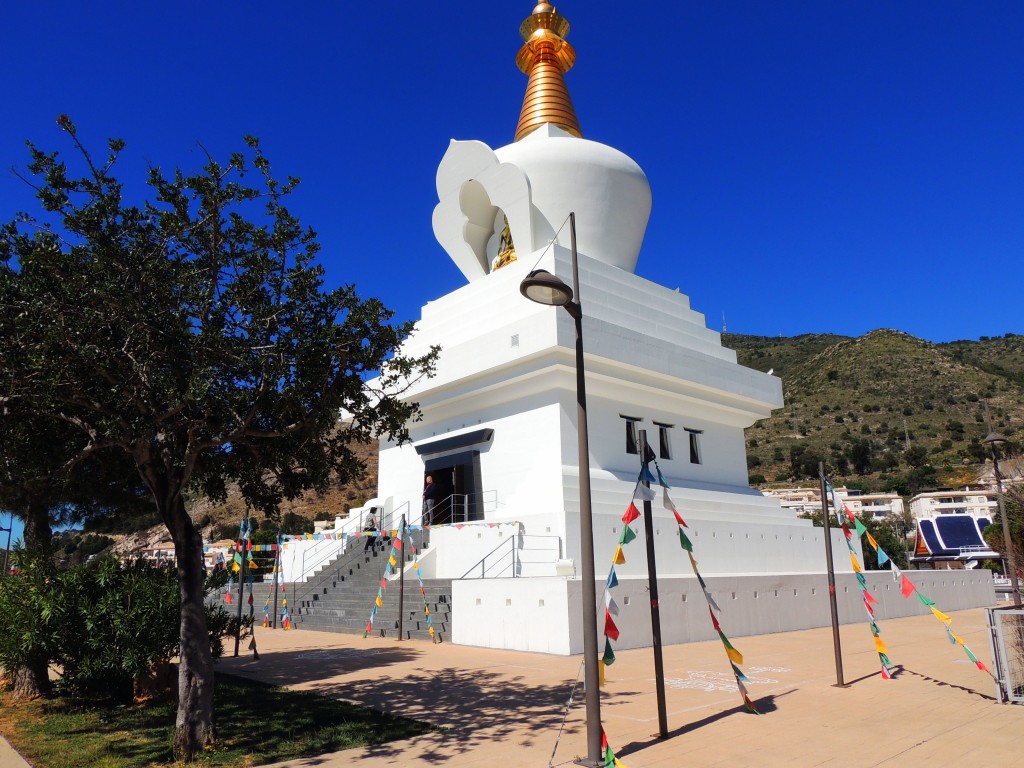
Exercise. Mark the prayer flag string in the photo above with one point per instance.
(908, 589)
(388, 571)
(880, 647)
(735, 657)
(423, 592)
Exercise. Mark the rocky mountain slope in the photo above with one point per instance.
(883, 406)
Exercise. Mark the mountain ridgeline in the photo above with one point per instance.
(885, 411)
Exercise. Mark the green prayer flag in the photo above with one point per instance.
(609, 654)
(627, 535)
(924, 600)
(970, 655)
(685, 542)
(861, 530)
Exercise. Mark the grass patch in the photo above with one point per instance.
(256, 724)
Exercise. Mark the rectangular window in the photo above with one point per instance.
(694, 435)
(664, 439)
(631, 439)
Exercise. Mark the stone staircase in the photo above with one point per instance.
(341, 595)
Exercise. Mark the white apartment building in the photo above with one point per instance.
(979, 504)
(808, 500)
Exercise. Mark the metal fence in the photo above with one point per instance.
(1006, 635)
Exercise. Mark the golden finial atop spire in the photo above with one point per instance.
(546, 57)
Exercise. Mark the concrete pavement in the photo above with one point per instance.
(508, 707)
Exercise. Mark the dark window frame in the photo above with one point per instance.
(632, 440)
(664, 440)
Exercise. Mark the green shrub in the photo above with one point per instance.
(105, 625)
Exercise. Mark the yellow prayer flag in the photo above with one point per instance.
(734, 656)
(959, 640)
(426, 610)
(380, 603)
(941, 616)
(871, 541)
(856, 565)
(619, 558)
(880, 646)
(392, 562)
(619, 763)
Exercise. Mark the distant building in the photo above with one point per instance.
(979, 504)
(878, 506)
(808, 500)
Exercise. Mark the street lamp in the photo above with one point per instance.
(542, 287)
(994, 439)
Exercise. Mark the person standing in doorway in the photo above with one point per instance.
(429, 492)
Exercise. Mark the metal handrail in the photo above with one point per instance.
(482, 562)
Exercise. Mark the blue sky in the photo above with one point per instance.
(828, 166)
(816, 166)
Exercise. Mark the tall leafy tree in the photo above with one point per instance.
(193, 334)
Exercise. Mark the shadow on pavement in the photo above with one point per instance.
(306, 666)
(475, 705)
(944, 684)
(764, 706)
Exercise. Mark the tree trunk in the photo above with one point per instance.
(194, 725)
(38, 534)
(32, 681)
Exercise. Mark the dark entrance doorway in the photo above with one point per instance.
(454, 464)
(457, 481)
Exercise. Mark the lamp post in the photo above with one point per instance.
(994, 439)
(544, 288)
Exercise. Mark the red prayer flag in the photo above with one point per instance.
(632, 513)
(679, 519)
(610, 630)
(906, 587)
(714, 620)
(869, 598)
(398, 543)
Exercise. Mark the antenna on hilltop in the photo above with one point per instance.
(723, 324)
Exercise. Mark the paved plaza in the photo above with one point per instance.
(506, 708)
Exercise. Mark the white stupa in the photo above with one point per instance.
(499, 431)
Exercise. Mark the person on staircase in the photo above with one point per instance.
(370, 531)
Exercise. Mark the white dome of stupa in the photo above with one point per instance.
(604, 187)
(498, 205)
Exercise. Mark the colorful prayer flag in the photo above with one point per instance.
(610, 630)
(609, 654)
(632, 513)
(613, 580)
(907, 587)
(684, 541)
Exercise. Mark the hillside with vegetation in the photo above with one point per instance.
(885, 411)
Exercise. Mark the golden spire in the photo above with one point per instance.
(546, 57)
